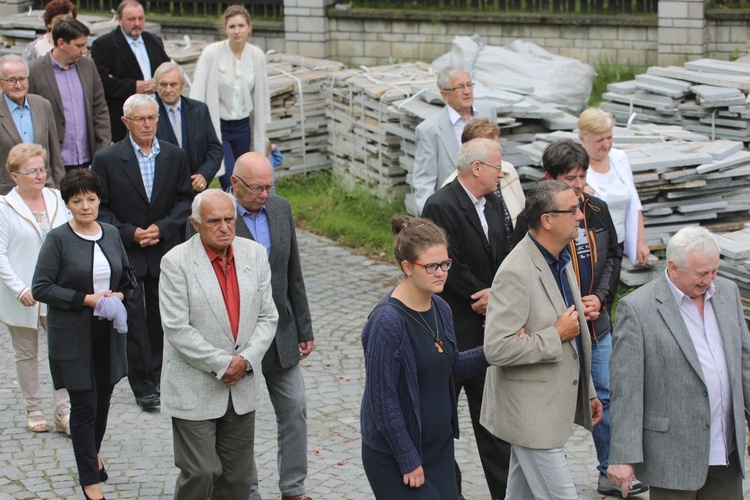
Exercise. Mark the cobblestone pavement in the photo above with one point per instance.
(137, 450)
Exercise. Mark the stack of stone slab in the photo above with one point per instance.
(375, 111)
(299, 93)
(706, 96)
(735, 262)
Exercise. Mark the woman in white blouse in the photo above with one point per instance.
(611, 178)
(231, 79)
(27, 213)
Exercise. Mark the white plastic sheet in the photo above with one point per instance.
(523, 67)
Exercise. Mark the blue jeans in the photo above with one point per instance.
(601, 351)
(286, 389)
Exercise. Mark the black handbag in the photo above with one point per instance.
(129, 280)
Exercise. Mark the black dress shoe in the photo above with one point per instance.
(148, 402)
(86, 497)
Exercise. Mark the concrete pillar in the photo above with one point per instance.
(306, 27)
(8, 7)
(682, 31)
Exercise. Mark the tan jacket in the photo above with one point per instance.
(534, 391)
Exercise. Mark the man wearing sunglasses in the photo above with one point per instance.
(473, 219)
(537, 343)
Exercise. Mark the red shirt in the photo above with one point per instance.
(230, 290)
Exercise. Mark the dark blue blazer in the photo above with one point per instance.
(199, 141)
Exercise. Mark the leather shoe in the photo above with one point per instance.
(605, 487)
(296, 497)
(148, 402)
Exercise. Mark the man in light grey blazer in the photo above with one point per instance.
(537, 343)
(439, 136)
(71, 83)
(219, 318)
(680, 377)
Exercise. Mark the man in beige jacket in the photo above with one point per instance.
(537, 342)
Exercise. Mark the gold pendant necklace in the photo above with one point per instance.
(426, 326)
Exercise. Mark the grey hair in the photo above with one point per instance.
(446, 74)
(166, 68)
(138, 101)
(691, 239)
(13, 58)
(196, 206)
(478, 149)
(541, 199)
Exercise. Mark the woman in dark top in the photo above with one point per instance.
(81, 263)
(409, 417)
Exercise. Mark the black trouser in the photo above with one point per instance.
(493, 451)
(89, 409)
(145, 337)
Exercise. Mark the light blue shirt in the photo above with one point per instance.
(706, 337)
(139, 50)
(258, 226)
(147, 163)
(22, 119)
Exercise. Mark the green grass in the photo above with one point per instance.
(357, 220)
(606, 74)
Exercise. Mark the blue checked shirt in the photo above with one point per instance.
(147, 164)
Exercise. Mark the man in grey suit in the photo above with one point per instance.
(267, 219)
(680, 381)
(439, 136)
(538, 346)
(70, 82)
(219, 318)
(25, 118)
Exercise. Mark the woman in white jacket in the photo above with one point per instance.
(27, 213)
(611, 178)
(231, 79)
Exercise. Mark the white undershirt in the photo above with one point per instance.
(101, 272)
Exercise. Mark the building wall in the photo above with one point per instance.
(727, 33)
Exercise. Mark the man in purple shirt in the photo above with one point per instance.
(680, 375)
(72, 85)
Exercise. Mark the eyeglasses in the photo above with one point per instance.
(140, 120)
(499, 168)
(461, 87)
(432, 267)
(15, 80)
(570, 211)
(34, 173)
(259, 189)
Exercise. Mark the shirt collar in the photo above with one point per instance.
(57, 66)
(679, 296)
(481, 201)
(155, 149)
(454, 116)
(559, 262)
(129, 39)
(241, 211)
(213, 256)
(13, 106)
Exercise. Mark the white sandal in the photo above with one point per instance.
(62, 423)
(35, 421)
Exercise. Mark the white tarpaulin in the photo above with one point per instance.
(523, 65)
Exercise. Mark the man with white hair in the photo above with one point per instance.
(439, 136)
(146, 194)
(680, 377)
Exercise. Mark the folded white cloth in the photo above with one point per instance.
(113, 309)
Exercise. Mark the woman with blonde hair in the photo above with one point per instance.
(27, 213)
(611, 178)
(231, 79)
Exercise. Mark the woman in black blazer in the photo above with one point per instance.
(80, 264)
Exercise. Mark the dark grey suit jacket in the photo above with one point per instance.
(659, 409)
(288, 286)
(45, 135)
(42, 81)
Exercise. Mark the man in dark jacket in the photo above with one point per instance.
(597, 267)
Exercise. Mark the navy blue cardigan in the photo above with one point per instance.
(390, 418)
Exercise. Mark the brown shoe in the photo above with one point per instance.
(296, 497)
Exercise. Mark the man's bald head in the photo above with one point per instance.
(252, 181)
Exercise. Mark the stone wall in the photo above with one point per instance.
(373, 36)
(727, 31)
(267, 35)
(8, 7)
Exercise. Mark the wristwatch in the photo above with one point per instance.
(248, 366)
